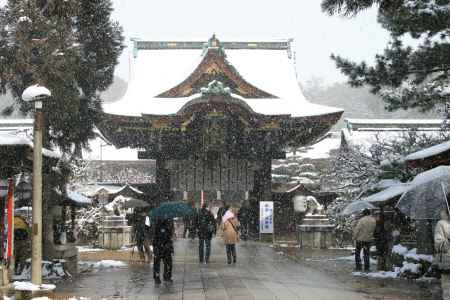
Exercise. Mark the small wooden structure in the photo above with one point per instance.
(286, 219)
(16, 153)
(114, 233)
(438, 155)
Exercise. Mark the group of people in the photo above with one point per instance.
(159, 234)
(378, 230)
(207, 226)
(381, 231)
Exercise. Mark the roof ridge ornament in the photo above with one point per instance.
(214, 65)
(214, 43)
(215, 87)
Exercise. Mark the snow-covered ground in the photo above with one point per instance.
(103, 264)
(50, 270)
(88, 249)
(28, 286)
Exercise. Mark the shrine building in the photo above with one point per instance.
(213, 115)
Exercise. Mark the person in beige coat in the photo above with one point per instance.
(363, 236)
(230, 235)
(442, 233)
(441, 244)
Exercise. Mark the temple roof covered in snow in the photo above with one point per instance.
(363, 133)
(180, 91)
(430, 157)
(165, 75)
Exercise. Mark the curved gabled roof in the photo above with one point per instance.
(159, 67)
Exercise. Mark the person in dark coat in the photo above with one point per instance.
(189, 225)
(139, 234)
(244, 218)
(206, 228)
(384, 241)
(163, 249)
(142, 235)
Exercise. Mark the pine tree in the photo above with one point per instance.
(404, 76)
(72, 48)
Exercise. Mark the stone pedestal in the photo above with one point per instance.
(445, 284)
(4, 276)
(68, 253)
(114, 234)
(315, 232)
(442, 263)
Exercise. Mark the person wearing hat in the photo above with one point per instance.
(363, 236)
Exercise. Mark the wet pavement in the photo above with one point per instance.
(339, 264)
(260, 273)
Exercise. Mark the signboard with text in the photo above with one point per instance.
(266, 217)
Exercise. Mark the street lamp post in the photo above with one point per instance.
(37, 94)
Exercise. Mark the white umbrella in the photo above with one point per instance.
(427, 195)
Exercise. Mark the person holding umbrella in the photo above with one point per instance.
(163, 231)
(163, 249)
(363, 235)
(230, 234)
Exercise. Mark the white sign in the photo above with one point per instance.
(266, 217)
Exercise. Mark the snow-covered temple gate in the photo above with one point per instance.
(213, 115)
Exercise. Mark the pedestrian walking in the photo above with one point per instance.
(206, 228)
(363, 235)
(163, 249)
(189, 225)
(244, 218)
(383, 236)
(442, 233)
(140, 234)
(230, 235)
(441, 245)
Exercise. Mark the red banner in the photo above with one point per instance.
(10, 218)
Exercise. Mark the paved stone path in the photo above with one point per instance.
(260, 273)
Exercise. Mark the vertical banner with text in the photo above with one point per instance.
(266, 217)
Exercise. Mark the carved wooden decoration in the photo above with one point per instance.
(215, 66)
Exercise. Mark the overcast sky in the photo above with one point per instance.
(316, 35)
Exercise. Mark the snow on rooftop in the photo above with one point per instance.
(100, 150)
(8, 139)
(92, 189)
(156, 71)
(387, 194)
(319, 150)
(130, 187)
(428, 152)
(35, 92)
(394, 121)
(24, 122)
(364, 139)
(78, 198)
